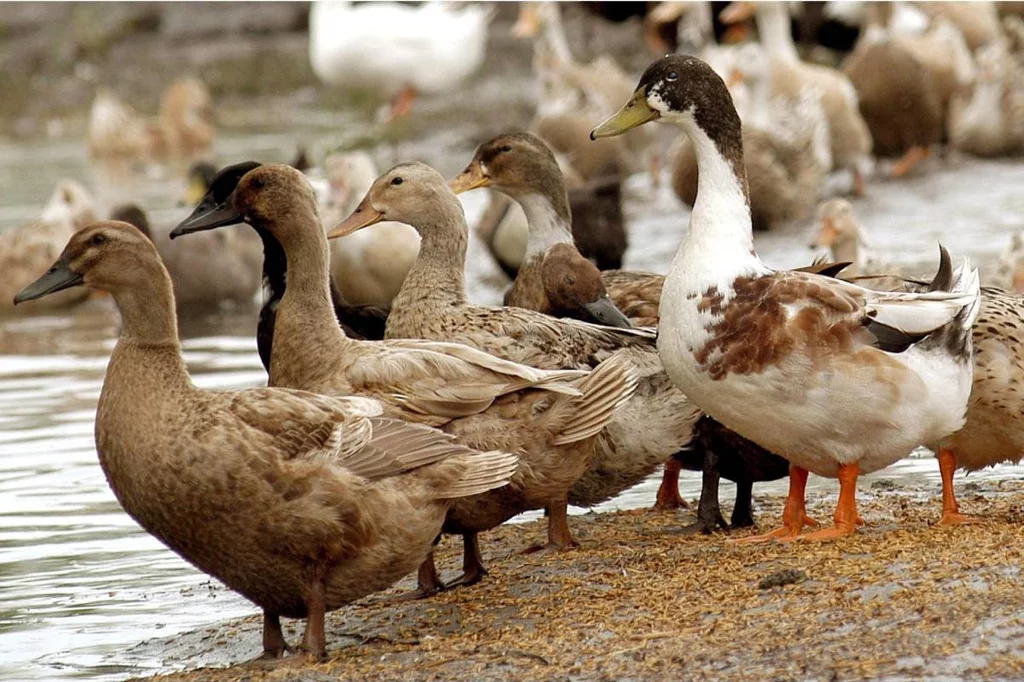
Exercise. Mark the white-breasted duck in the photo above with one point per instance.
(838, 379)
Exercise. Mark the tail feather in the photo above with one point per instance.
(955, 337)
(606, 389)
(481, 472)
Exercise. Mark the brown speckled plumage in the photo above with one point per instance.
(432, 304)
(299, 502)
(550, 419)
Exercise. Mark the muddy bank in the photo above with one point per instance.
(639, 600)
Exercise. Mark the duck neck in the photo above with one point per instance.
(846, 249)
(147, 357)
(437, 278)
(720, 223)
(305, 326)
(548, 220)
(773, 26)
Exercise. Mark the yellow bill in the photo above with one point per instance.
(471, 178)
(635, 112)
(363, 216)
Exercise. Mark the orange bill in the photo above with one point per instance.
(363, 216)
(471, 178)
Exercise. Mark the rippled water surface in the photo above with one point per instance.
(80, 582)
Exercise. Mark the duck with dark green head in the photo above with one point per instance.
(838, 379)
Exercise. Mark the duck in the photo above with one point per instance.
(432, 305)
(431, 48)
(30, 247)
(992, 431)
(299, 502)
(869, 375)
(357, 322)
(849, 133)
(522, 167)
(550, 419)
(842, 235)
(899, 97)
(987, 122)
(183, 129)
(368, 268)
(1010, 270)
(786, 147)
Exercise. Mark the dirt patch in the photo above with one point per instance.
(902, 599)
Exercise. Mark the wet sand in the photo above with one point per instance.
(902, 599)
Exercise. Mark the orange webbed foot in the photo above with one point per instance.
(958, 519)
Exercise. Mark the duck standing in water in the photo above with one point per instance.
(838, 379)
(300, 502)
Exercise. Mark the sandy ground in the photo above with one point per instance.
(903, 599)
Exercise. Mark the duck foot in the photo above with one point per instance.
(401, 105)
(473, 570)
(794, 514)
(560, 537)
(668, 494)
(951, 515)
(274, 645)
(314, 639)
(428, 583)
(909, 161)
(846, 518)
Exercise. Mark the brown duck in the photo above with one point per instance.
(550, 424)
(300, 502)
(432, 304)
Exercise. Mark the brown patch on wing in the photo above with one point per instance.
(753, 331)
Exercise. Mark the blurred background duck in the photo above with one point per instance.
(29, 249)
(989, 119)
(848, 133)
(397, 50)
(183, 128)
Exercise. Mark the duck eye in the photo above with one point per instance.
(397, 181)
(506, 148)
(258, 183)
(672, 76)
(97, 239)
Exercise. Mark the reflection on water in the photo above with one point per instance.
(81, 582)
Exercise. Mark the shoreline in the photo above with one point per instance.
(902, 599)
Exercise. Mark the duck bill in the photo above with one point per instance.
(363, 216)
(471, 178)
(735, 12)
(827, 236)
(635, 113)
(1018, 282)
(57, 278)
(207, 216)
(604, 312)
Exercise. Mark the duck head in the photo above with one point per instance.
(110, 256)
(515, 164)
(679, 89)
(411, 193)
(217, 207)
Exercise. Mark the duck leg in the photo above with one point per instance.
(401, 105)
(846, 519)
(909, 161)
(559, 536)
(741, 516)
(668, 493)
(951, 515)
(858, 181)
(428, 583)
(473, 570)
(794, 514)
(274, 644)
(709, 513)
(314, 640)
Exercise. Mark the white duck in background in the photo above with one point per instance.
(857, 378)
(395, 49)
(369, 266)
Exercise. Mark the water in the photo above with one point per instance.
(81, 583)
